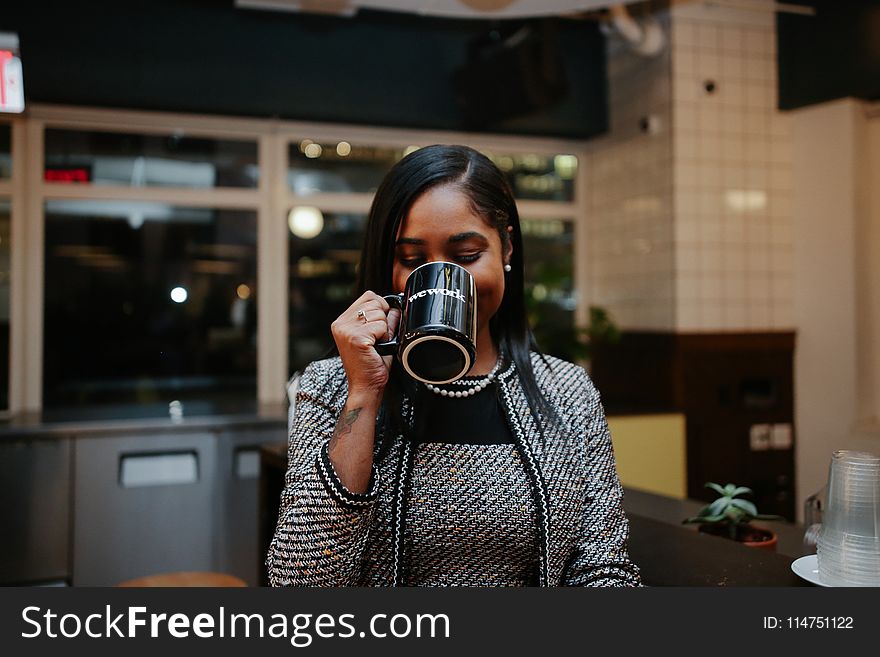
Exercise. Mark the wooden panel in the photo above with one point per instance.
(637, 374)
(724, 383)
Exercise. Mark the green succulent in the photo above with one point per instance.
(730, 509)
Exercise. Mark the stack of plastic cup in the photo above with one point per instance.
(848, 549)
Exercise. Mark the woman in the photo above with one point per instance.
(390, 484)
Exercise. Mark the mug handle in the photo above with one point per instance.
(390, 347)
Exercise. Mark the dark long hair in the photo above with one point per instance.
(491, 198)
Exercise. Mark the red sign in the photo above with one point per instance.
(68, 175)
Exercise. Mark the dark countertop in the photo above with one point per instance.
(672, 554)
(672, 511)
(668, 555)
(118, 420)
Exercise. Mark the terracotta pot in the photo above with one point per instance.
(751, 535)
(768, 543)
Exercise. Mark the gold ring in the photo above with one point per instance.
(362, 315)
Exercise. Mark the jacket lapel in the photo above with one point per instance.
(527, 436)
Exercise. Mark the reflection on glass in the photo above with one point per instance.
(5, 151)
(322, 273)
(343, 167)
(136, 160)
(539, 177)
(148, 303)
(5, 267)
(548, 246)
(338, 166)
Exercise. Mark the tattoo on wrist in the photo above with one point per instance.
(343, 426)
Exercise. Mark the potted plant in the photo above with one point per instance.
(731, 517)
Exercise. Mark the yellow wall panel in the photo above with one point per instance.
(651, 452)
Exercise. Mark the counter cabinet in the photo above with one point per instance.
(97, 507)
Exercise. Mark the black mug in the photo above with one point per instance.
(436, 339)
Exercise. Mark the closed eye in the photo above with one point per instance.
(415, 261)
(411, 262)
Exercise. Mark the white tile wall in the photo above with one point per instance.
(631, 226)
(691, 227)
(732, 174)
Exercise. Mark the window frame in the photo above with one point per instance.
(13, 190)
(271, 199)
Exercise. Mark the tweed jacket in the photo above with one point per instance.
(329, 536)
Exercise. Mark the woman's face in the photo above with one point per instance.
(441, 225)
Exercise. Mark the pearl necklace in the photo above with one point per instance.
(474, 389)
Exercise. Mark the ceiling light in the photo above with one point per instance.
(179, 294)
(305, 221)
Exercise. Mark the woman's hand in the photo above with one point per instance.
(356, 331)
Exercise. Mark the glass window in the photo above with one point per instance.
(539, 177)
(4, 303)
(148, 304)
(342, 167)
(136, 160)
(338, 166)
(548, 246)
(324, 253)
(5, 151)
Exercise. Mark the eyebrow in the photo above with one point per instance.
(453, 239)
(461, 237)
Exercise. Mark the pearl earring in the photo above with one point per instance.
(507, 268)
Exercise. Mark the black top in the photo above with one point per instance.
(474, 420)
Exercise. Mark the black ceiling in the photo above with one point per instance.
(209, 57)
(834, 54)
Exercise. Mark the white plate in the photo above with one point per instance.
(808, 568)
